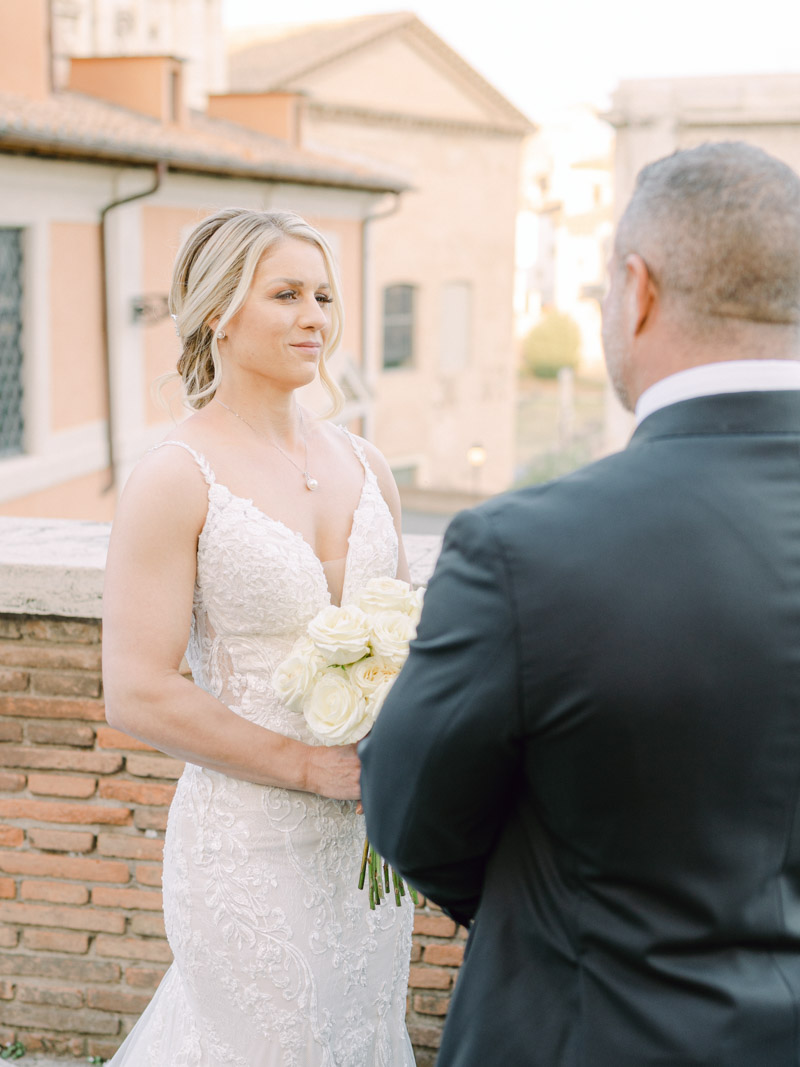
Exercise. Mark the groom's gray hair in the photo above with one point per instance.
(719, 229)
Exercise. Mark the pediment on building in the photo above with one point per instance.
(390, 65)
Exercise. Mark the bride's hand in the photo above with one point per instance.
(334, 772)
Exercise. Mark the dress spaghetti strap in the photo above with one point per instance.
(357, 448)
(199, 459)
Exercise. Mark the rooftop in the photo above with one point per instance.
(751, 99)
(70, 125)
(277, 57)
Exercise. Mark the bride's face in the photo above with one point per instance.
(279, 331)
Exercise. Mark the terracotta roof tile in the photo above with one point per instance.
(71, 125)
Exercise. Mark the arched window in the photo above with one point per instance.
(398, 326)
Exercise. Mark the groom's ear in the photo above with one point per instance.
(641, 293)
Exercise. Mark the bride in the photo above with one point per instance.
(230, 536)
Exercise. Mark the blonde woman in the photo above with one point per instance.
(229, 537)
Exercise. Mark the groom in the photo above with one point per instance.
(593, 752)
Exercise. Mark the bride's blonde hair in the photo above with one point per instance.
(212, 277)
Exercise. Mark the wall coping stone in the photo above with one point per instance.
(56, 566)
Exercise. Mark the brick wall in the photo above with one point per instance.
(82, 814)
(436, 955)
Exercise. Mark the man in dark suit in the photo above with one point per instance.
(593, 752)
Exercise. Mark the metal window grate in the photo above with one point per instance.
(11, 418)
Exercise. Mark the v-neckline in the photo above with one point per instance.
(296, 533)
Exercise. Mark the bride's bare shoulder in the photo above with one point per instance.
(171, 480)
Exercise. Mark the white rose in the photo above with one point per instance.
(391, 633)
(386, 594)
(376, 698)
(340, 635)
(414, 605)
(370, 673)
(335, 710)
(292, 679)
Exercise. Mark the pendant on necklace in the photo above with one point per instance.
(311, 483)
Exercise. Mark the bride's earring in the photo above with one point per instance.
(220, 334)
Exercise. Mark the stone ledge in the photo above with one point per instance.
(422, 551)
(56, 566)
(52, 567)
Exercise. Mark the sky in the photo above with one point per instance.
(545, 56)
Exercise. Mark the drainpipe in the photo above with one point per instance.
(51, 59)
(161, 169)
(365, 278)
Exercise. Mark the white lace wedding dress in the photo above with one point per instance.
(279, 961)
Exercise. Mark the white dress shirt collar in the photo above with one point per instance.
(733, 376)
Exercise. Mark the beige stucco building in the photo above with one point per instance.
(190, 29)
(653, 118)
(565, 224)
(99, 182)
(441, 354)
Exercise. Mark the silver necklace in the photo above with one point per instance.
(311, 483)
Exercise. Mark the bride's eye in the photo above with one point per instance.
(322, 298)
(286, 295)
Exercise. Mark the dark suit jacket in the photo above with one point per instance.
(594, 751)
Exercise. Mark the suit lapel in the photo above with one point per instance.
(724, 413)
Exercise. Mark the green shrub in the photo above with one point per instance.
(553, 343)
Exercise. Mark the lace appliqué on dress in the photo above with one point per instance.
(278, 960)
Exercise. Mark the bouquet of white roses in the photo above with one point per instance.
(338, 674)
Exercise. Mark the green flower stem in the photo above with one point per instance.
(382, 879)
(376, 877)
(364, 857)
(374, 895)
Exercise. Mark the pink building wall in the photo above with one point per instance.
(77, 375)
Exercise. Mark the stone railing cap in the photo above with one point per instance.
(56, 566)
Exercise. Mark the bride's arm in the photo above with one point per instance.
(147, 607)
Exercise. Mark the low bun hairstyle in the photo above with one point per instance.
(211, 279)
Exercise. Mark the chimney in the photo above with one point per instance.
(25, 48)
(150, 85)
(278, 114)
